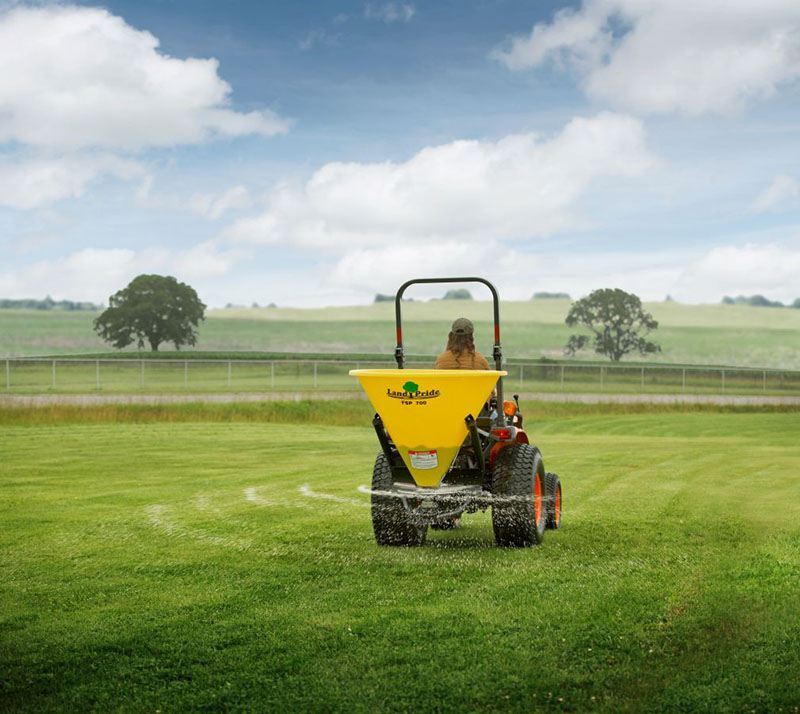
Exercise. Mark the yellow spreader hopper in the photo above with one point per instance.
(451, 445)
(424, 412)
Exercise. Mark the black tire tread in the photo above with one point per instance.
(390, 521)
(551, 483)
(513, 475)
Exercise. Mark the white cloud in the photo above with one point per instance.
(573, 38)
(783, 189)
(389, 12)
(520, 186)
(80, 77)
(94, 274)
(768, 269)
(375, 269)
(214, 206)
(662, 56)
(689, 275)
(205, 259)
(209, 205)
(35, 182)
(518, 273)
(314, 38)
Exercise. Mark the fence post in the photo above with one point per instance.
(764, 383)
(562, 377)
(315, 375)
(683, 382)
(186, 373)
(54, 374)
(601, 378)
(723, 380)
(642, 379)
(141, 373)
(229, 373)
(97, 374)
(8, 374)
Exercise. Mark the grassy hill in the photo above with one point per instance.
(701, 334)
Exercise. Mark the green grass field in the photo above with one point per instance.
(221, 558)
(698, 334)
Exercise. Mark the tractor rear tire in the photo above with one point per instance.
(391, 521)
(519, 512)
(553, 490)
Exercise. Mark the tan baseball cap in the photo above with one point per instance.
(463, 326)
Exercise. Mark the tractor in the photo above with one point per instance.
(451, 444)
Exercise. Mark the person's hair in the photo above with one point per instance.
(458, 344)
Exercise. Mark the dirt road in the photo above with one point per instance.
(43, 400)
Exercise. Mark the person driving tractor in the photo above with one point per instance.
(460, 352)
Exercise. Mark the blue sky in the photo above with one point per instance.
(318, 153)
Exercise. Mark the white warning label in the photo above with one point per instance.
(423, 459)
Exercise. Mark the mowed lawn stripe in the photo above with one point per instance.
(140, 575)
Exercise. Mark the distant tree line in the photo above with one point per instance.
(381, 297)
(757, 301)
(47, 304)
(464, 294)
(456, 294)
(550, 296)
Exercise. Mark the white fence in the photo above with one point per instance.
(81, 375)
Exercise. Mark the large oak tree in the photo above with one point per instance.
(617, 322)
(152, 309)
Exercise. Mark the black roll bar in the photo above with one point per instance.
(497, 352)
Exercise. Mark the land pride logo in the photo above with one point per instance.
(412, 393)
